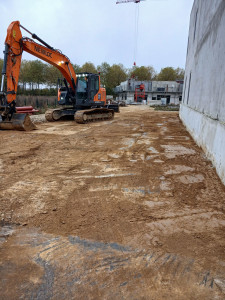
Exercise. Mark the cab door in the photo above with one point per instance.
(93, 87)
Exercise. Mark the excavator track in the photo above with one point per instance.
(53, 115)
(93, 115)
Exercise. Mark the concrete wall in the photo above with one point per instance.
(203, 104)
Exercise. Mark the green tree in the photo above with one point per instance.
(23, 76)
(167, 74)
(88, 67)
(143, 73)
(103, 69)
(37, 71)
(180, 73)
(51, 75)
(115, 76)
(76, 68)
(32, 72)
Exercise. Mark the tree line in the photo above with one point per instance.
(34, 73)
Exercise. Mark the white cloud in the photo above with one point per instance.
(100, 30)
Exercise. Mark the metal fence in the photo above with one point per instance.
(38, 102)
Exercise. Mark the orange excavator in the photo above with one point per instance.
(81, 97)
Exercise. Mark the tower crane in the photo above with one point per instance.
(126, 1)
(136, 24)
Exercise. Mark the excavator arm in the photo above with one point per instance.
(15, 44)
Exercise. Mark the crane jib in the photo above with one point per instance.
(43, 51)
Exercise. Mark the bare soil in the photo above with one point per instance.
(123, 209)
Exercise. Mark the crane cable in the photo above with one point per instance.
(136, 32)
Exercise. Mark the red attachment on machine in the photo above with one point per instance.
(139, 93)
(26, 110)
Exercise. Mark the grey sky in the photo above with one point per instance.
(101, 30)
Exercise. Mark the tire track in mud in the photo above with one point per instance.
(75, 267)
(134, 208)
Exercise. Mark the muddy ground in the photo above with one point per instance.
(123, 209)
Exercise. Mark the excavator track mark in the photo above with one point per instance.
(93, 115)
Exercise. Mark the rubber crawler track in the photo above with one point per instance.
(94, 115)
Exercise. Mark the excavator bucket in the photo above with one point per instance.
(18, 122)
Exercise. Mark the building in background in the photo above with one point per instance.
(150, 92)
(203, 105)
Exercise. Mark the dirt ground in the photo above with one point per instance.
(123, 209)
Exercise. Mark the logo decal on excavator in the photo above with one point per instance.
(14, 33)
(43, 51)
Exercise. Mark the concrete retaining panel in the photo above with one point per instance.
(209, 134)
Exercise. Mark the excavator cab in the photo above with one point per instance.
(88, 92)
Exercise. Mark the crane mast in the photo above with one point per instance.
(136, 24)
